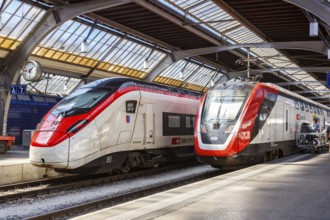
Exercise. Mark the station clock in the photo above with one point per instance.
(31, 70)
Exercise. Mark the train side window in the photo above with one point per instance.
(174, 121)
(302, 106)
(296, 104)
(190, 121)
(306, 107)
(131, 106)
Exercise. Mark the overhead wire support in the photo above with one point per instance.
(146, 61)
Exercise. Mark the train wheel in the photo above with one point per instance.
(3, 147)
(155, 165)
(126, 167)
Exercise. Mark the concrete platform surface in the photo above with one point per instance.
(295, 187)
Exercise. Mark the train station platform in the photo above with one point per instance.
(295, 187)
(16, 168)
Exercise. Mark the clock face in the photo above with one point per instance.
(31, 71)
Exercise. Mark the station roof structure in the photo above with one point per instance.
(183, 43)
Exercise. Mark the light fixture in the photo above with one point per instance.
(146, 64)
(328, 53)
(84, 46)
(313, 28)
(181, 74)
(65, 87)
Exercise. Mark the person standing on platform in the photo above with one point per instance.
(328, 136)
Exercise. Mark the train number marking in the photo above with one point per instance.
(109, 159)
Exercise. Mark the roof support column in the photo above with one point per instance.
(52, 19)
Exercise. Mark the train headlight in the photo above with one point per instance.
(77, 126)
(229, 129)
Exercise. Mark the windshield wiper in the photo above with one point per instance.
(72, 110)
(216, 125)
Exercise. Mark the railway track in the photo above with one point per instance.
(48, 186)
(128, 196)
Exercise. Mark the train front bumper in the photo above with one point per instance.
(56, 156)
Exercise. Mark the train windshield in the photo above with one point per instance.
(80, 101)
(223, 105)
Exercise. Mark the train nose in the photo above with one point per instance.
(54, 156)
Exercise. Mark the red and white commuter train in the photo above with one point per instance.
(241, 123)
(116, 123)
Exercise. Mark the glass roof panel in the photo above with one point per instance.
(51, 84)
(17, 19)
(208, 11)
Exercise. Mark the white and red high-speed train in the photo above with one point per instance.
(116, 123)
(241, 123)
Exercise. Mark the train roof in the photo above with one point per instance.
(118, 81)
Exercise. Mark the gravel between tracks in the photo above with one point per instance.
(30, 207)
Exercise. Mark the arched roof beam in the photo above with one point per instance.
(316, 7)
(53, 18)
(316, 46)
(319, 97)
(324, 69)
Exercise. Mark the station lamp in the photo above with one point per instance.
(146, 64)
(181, 74)
(84, 46)
(313, 28)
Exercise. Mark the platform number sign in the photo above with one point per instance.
(17, 89)
(328, 80)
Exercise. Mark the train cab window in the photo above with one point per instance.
(296, 104)
(131, 106)
(264, 112)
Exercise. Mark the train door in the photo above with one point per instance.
(286, 125)
(149, 121)
(129, 117)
